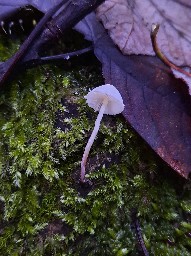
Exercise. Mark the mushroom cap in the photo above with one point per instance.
(96, 97)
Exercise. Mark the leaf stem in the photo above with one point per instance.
(154, 32)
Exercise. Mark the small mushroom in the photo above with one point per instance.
(107, 100)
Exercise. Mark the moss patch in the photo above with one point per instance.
(44, 127)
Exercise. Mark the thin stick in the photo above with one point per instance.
(66, 56)
(50, 59)
(138, 232)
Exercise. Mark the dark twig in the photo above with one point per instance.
(66, 56)
(60, 57)
(154, 31)
(68, 16)
(136, 224)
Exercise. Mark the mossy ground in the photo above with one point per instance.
(44, 127)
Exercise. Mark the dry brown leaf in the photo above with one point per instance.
(129, 25)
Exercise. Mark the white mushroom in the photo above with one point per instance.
(107, 100)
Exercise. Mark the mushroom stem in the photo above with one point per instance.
(92, 138)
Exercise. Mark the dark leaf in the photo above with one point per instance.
(8, 7)
(156, 104)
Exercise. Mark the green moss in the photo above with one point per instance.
(44, 127)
